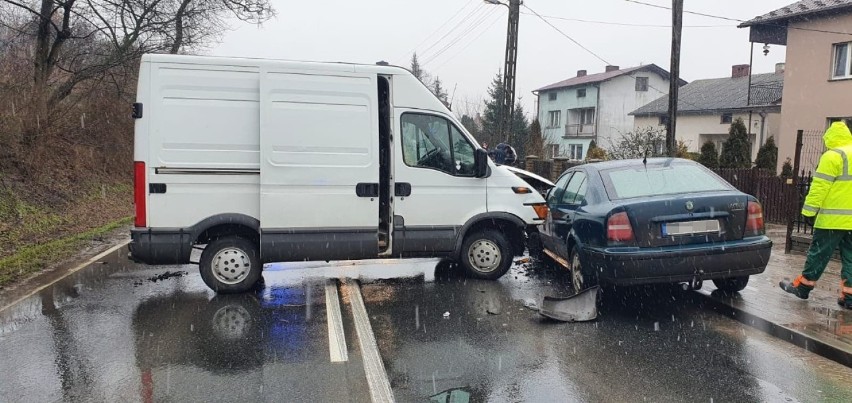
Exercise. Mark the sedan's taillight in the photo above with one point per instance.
(618, 228)
(139, 193)
(754, 221)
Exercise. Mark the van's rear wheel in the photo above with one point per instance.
(230, 265)
(486, 255)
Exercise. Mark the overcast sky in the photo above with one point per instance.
(463, 41)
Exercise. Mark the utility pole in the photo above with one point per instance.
(509, 70)
(677, 28)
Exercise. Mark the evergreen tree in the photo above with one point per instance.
(787, 169)
(735, 150)
(535, 141)
(418, 71)
(595, 152)
(767, 156)
(470, 124)
(519, 126)
(709, 156)
(493, 113)
(439, 91)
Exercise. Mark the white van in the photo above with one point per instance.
(265, 161)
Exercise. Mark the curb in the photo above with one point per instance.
(808, 342)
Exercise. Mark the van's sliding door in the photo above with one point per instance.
(319, 164)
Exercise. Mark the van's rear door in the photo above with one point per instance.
(319, 163)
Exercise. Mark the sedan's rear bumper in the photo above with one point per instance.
(631, 266)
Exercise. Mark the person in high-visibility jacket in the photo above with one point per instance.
(830, 201)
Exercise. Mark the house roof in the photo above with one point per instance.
(601, 77)
(720, 94)
(799, 9)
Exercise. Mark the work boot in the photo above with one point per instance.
(796, 287)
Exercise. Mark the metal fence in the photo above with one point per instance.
(774, 193)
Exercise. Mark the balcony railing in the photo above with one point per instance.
(579, 130)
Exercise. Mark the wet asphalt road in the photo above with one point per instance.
(110, 333)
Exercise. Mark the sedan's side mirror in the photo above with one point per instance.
(480, 160)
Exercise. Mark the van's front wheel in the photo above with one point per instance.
(230, 265)
(486, 255)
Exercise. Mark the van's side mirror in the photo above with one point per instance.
(480, 160)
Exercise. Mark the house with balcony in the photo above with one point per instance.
(575, 111)
(818, 66)
(706, 108)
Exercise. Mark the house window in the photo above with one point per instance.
(587, 116)
(551, 96)
(575, 151)
(554, 117)
(842, 60)
(641, 83)
(847, 120)
(553, 150)
(581, 93)
(664, 120)
(727, 118)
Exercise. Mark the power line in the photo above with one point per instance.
(566, 35)
(719, 17)
(459, 37)
(458, 24)
(626, 24)
(440, 27)
(436, 68)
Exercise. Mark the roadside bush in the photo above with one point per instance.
(767, 156)
(735, 150)
(709, 156)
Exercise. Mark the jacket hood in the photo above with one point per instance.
(837, 135)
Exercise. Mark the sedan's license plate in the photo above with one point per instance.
(690, 227)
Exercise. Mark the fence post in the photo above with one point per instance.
(558, 167)
(529, 162)
(793, 205)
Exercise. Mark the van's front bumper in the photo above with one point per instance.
(631, 266)
(160, 247)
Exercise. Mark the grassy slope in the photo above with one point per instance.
(35, 235)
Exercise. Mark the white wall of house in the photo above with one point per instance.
(695, 130)
(618, 98)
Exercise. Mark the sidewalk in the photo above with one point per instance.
(817, 324)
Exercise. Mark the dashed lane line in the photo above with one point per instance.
(336, 337)
(374, 368)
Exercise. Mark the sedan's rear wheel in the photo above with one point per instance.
(733, 284)
(580, 277)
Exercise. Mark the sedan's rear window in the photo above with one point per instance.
(626, 183)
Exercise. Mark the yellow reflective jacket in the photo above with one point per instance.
(830, 196)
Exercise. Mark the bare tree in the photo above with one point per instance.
(75, 41)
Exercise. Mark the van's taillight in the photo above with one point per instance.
(139, 194)
(754, 221)
(618, 228)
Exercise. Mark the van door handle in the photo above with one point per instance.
(367, 190)
(402, 189)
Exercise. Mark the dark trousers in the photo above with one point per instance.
(825, 242)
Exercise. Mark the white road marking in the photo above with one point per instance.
(374, 368)
(68, 273)
(336, 336)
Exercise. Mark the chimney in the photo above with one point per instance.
(739, 70)
(611, 68)
(581, 73)
(779, 68)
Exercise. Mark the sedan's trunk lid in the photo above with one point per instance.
(687, 219)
